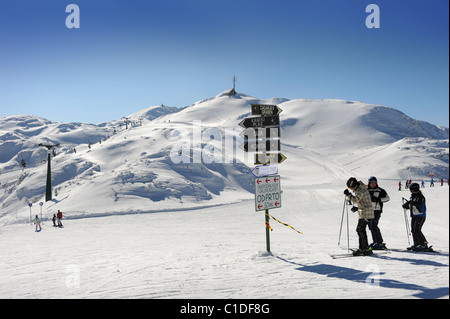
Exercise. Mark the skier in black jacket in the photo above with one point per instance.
(378, 196)
(418, 210)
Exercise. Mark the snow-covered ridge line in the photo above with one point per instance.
(128, 164)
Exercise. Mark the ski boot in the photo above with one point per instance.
(423, 247)
(377, 246)
(363, 252)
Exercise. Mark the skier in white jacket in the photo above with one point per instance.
(363, 205)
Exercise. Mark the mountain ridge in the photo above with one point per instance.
(158, 162)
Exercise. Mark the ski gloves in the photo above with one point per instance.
(354, 209)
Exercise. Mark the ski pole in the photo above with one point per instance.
(342, 219)
(404, 200)
(348, 234)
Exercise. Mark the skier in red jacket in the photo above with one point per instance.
(59, 216)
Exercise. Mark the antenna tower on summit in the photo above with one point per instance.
(233, 90)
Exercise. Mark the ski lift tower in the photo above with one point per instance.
(48, 188)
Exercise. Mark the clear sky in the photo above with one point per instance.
(128, 55)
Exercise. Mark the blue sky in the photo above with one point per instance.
(128, 55)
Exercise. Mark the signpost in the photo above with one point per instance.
(262, 135)
(263, 121)
(269, 158)
(41, 204)
(267, 193)
(262, 146)
(265, 109)
(265, 170)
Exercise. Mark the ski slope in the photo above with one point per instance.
(219, 252)
(139, 224)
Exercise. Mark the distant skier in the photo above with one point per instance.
(399, 186)
(59, 216)
(54, 220)
(378, 196)
(423, 184)
(418, 212)
(432, 182)
(361, 198)
(37, 222)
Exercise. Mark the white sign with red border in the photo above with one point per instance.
(267, 193)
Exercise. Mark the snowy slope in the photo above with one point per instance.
(21, 134)
(170, 222)
(219, 252)
(170, 158)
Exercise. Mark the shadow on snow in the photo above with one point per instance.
(365, 277)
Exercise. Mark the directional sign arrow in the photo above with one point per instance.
(261, 133)
(261, 121)
(265, 170)
(262, 146)
(265, 109)
(269, 158)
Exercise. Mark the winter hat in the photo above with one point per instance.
(352, 183)
(373, 178)
(414, 187)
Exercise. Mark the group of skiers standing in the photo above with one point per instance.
(56, 220)
(368, 201)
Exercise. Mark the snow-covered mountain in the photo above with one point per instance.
(200, 236)
(170, 158)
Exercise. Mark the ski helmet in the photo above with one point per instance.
(352, 183)
(373, 178)
(414, 187)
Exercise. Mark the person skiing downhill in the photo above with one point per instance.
(37, 222)
(418, 213)
(378, 197)
(361, 197)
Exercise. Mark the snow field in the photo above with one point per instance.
(140, 225)
(219, 252)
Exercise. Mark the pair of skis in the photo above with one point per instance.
(374, 253)
(388, 251)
